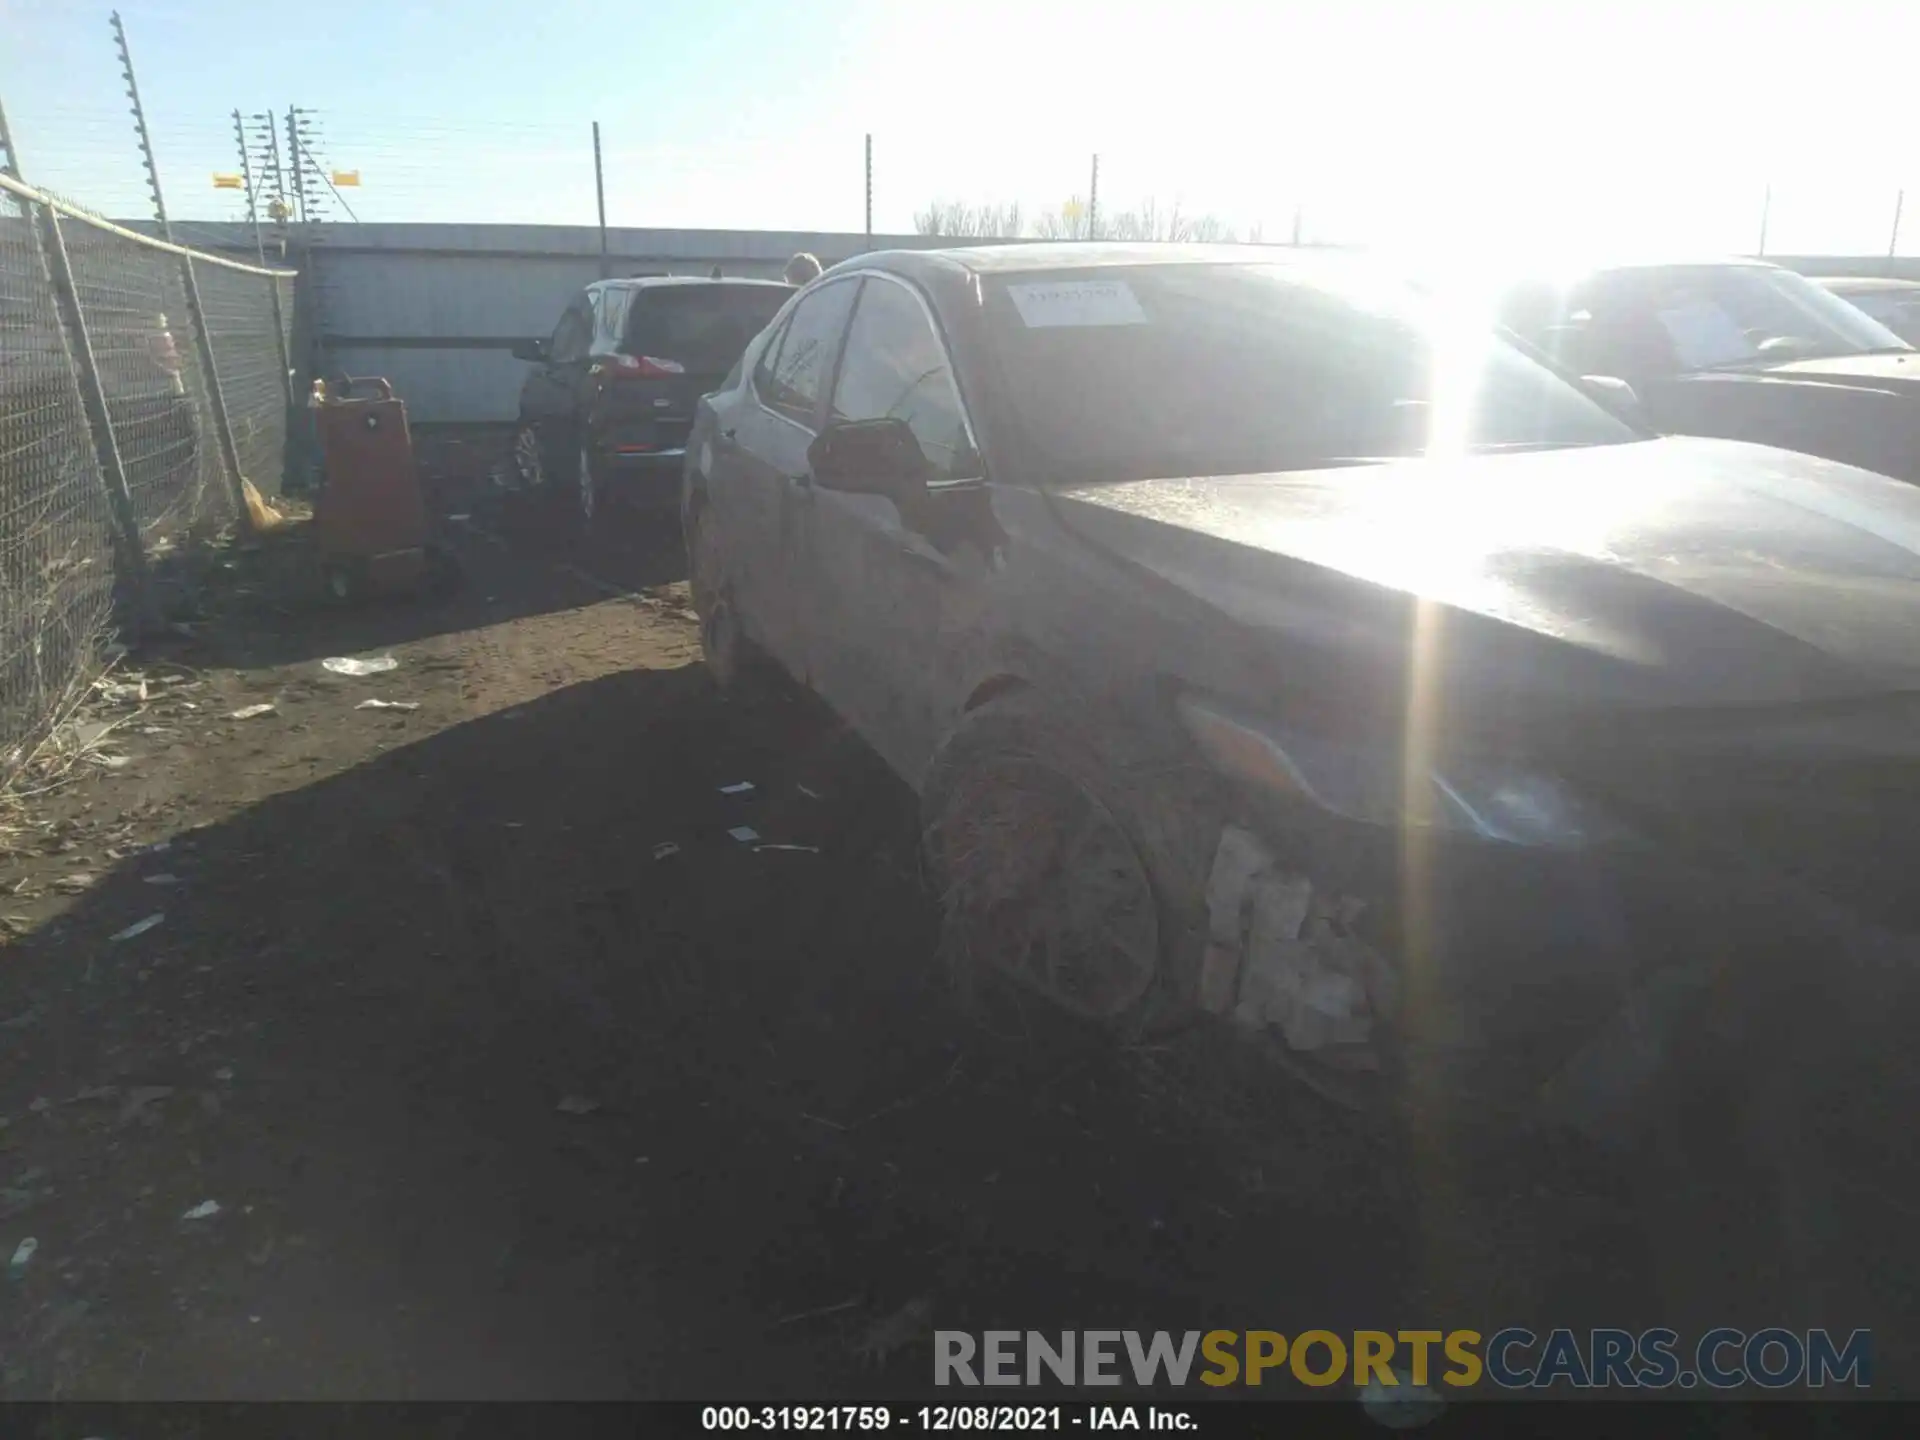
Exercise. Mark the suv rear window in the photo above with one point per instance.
(704, 327)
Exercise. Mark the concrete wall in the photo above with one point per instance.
(434, 308)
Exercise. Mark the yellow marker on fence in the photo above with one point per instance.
(226, 182)
(346, 178)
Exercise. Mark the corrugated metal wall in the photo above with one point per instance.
(434, 308)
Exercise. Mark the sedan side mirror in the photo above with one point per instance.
(1618, 396)
(869, 457)
(532, 351)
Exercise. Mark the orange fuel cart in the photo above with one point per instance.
(368, 519)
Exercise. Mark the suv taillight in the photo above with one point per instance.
(639, 367)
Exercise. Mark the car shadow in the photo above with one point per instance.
(515, 1072)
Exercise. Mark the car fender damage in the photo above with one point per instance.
(1283, 956)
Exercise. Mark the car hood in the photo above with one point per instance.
(1858, 409)
(1897, 372)
(1664, 573)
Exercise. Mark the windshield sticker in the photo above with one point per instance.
(1703, 334)
(1049, 303)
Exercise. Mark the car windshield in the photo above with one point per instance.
(704, 327)
(1178, 370)
(1725, 317)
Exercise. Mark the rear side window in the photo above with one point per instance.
(704, 327)
(803, 360)
(572, 334)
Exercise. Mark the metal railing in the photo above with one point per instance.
(142, 385)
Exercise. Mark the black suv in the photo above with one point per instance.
(612, 393)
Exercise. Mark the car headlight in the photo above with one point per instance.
(1372, 785)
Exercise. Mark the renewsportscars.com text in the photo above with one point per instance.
(1512, 1359)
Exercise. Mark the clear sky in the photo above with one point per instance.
(1557, 121)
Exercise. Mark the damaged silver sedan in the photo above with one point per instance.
(1267, 644)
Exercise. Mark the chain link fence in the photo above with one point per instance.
(111, 458)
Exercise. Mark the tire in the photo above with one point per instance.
(1099, 904)
(529, 459)
(587, 493)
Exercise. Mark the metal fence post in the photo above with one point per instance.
(106, 445)
(203, 336)
(260, 251)
(43, 229)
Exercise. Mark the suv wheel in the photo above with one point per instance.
(586, 486)
(528, 463)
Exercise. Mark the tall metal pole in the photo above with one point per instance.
(1899, 204)
(229, 454)
(600, 197)
(9, 157)
(1766, 213)
(260, 249)
(1093, 202)
(140, 128)
(293, 162)
(1299, 221)
(869, 192)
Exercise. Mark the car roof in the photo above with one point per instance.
(1055, 256)
(1863, 284)
(647, 282)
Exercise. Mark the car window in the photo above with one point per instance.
(1664, 320)
(769, 352)
(792, 384)
(615, 300)
(895, 367)
(572, 334)
(1198, 370)
(702, 327)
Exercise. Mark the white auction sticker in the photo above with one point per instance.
(1045, 303)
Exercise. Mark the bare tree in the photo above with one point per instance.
(1146, 221)
(962, 221)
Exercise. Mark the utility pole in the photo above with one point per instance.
(600, 197)
(1899, 204)
(1766, 213)
(1299, 221)
(1093, 202)
(869, 191)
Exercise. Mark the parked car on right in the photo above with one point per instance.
(1894, 303)
(1733, 349)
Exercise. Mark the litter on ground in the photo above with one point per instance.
(139, 927)
(205, 1210)
(251, 712)
(745, 834)
(353, 665)
(577, 1105)
(738, 788)
(161, 879)
(803, 849)
(22, 1253)
(664, 849)
(388, 705)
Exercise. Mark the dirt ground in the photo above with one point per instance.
(496, 1098)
